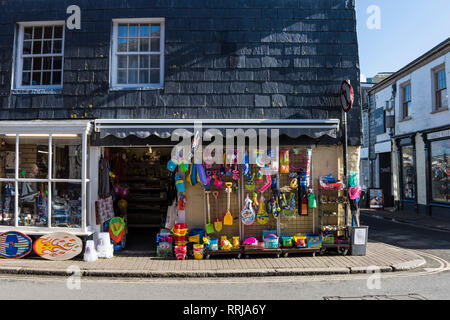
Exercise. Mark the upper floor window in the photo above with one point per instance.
(440, 85)
(406, 101)
(39, 55)
(138, 53)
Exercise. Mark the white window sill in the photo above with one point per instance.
(440, 110)
(135, 88)
(37, 91)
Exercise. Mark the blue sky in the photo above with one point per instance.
(409, 28)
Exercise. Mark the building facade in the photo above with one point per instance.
(417, 97)
(135, 69)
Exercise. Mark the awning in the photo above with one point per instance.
(164, 128)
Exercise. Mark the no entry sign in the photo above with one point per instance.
(347, 96)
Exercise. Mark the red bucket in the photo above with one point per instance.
(180, 229)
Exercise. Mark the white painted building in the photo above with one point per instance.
(419, 143)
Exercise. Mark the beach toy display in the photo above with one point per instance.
(198, 251)
(271, 241)
(180, 252)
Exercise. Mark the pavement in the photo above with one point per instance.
(409, 217)
(386, 257)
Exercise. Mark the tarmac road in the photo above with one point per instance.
(430, 282)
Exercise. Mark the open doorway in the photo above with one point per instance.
(143, 171)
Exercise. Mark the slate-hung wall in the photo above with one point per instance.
(223, 59)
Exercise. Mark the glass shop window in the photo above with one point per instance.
(408, 172)
(440, 170)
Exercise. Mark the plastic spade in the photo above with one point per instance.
(228, 218)
(209, 226)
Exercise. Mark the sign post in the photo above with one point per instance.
(347, 97)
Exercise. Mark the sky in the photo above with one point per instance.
(406, 30)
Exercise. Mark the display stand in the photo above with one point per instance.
(250, 251)
(221, 253)
(287, 251)
(331, 218)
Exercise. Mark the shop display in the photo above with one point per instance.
(228, 218)
(180, 252)
(14, 245)
(198, 251)
(209, 226)
(58, 246)
(248, 214)
(262, 217)
(116, 229)
(271, 241)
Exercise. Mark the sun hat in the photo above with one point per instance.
(354, 192)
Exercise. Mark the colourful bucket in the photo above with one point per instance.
(198, 251)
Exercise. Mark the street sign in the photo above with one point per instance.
(347, 96)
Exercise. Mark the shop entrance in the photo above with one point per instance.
(143, 171)
(386, 178)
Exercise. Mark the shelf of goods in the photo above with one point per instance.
(332, 220)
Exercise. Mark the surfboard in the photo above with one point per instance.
(58, 246)
(14, 245)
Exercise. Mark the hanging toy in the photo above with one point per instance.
(268, 183)
(201, 174)
(235, 174)
(255, 201)
(179, 183)
(294, 183)
(284, 161)
(250, 181)
(217, 182)
(259, 177)
(228, 218)
(262, 216)
(246, 165)
(248, 214)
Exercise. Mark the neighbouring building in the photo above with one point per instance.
(412, 134)
(136, 70)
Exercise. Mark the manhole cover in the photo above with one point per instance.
(411, 296)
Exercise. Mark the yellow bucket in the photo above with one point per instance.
(198, 251)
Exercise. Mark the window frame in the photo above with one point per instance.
(18, 63)
(114, 85)
(436, 91)
(406, 115)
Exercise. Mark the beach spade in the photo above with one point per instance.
(217, 222)
(228, 218)
(209, 226)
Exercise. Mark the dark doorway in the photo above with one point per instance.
(386, 178)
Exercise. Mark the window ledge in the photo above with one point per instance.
(37, 91)
(135, 88)
(439, 110)
(405, 119)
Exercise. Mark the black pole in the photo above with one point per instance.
(345, 152)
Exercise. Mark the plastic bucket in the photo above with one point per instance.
(214, 244)
(180, 240)
(198, 251)
(180, 229)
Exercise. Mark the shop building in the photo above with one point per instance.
(417, 97)
(134, 71)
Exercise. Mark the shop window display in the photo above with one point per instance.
(7, 171)
(440, 170)
(408, 172)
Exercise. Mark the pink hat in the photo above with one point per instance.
(354, 192)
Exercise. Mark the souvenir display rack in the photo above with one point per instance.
(331, 205)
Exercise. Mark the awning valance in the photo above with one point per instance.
(164, 128)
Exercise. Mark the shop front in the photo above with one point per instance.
(260, 186)
(407, 173)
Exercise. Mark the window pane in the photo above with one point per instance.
(46, 78)
(26, 64)
(122, 61)
(47, 47)
(57, 63)
(144, 30)
(408, 169)
(36, 79)
(37, 63)
(37, 33)
(7, 207)
(67, 155)
(156, 30)
(143, 62)
(154, 76)
(143, 76)
(58, 32)
(123, 30)
(27, 33)
(33, 207)
(37, 47)
(48, 32)
(122, 45)
(143, 45)
(154, 44)
(132, 61)
(56, 78)
(26, 78)
(27, 47)
(7, 170)
(133, 30)
(66, 205)
(444, 98)
(133, 45)
(154, 61)
(47, 63)
(122, 76)
(132, 76)
(57, 46)
(440, 170)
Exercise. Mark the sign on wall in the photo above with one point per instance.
(379, 125)
(376, 199)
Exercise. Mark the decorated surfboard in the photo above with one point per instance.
(14, 245)
(58, 246)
